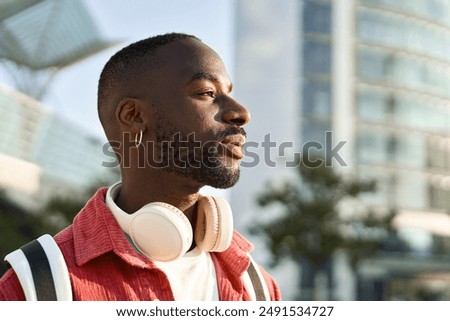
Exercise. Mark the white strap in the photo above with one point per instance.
(248, 284)
(58, 267)
(20, 265)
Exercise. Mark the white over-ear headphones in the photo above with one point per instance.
(163, 233)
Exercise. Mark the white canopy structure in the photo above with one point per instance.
(39, 37)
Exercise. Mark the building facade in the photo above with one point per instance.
(43, 154)
(374, 73)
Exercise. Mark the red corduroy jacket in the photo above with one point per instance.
(103, 266)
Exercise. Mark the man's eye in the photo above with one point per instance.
(211, 94)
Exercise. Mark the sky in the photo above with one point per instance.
(73, 91)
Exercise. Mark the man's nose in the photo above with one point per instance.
(236, 114)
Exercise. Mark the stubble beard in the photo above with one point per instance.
(179, 153)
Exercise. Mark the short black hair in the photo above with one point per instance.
(123, 65)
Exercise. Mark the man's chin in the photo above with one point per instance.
(225, 185)
(216, 177)
(222, 179)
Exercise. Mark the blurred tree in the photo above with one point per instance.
(60, 210)
(318, 216)
(58, 213)
(19, 226)
(15, 227)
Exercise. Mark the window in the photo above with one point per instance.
(438, 154)
(437, 10)
(315, 131)
(373, 106)
(373, 65)
(411, 190)
(373, 146)
(317, 17)
(317, 57)
(425, 114)
(410, 150)
(316, 98)
(402, 32)
(438, 196)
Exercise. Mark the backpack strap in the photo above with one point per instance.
(254, 283)
(41, 270)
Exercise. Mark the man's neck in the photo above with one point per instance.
(137, 191)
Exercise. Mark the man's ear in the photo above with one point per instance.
(131, 115)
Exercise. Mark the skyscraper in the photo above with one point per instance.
(374, 73)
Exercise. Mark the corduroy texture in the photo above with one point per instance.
(104, 267)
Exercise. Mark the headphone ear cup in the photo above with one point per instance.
(161, 231)
(214, 225)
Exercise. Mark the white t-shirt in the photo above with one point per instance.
(192, 276)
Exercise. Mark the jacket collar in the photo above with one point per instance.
(97, 232)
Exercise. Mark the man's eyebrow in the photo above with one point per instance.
(208, 76)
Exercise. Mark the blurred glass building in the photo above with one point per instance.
(43, 154)
(375, 73)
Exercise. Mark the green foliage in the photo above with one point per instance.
(16, 227)
(58, 213)
(19, 226)
(310, 224)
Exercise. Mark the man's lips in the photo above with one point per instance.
(233, 145)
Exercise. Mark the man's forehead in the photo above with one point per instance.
(192, 60)
(187, 52)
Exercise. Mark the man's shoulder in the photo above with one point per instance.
(87, 225)
(65, 241)
(10, 288)
(241, 242)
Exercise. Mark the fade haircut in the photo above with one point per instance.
(125, 65)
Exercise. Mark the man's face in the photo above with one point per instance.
(198, 124)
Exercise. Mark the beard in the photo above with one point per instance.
(204, 162)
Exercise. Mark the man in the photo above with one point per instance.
(165, 105)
